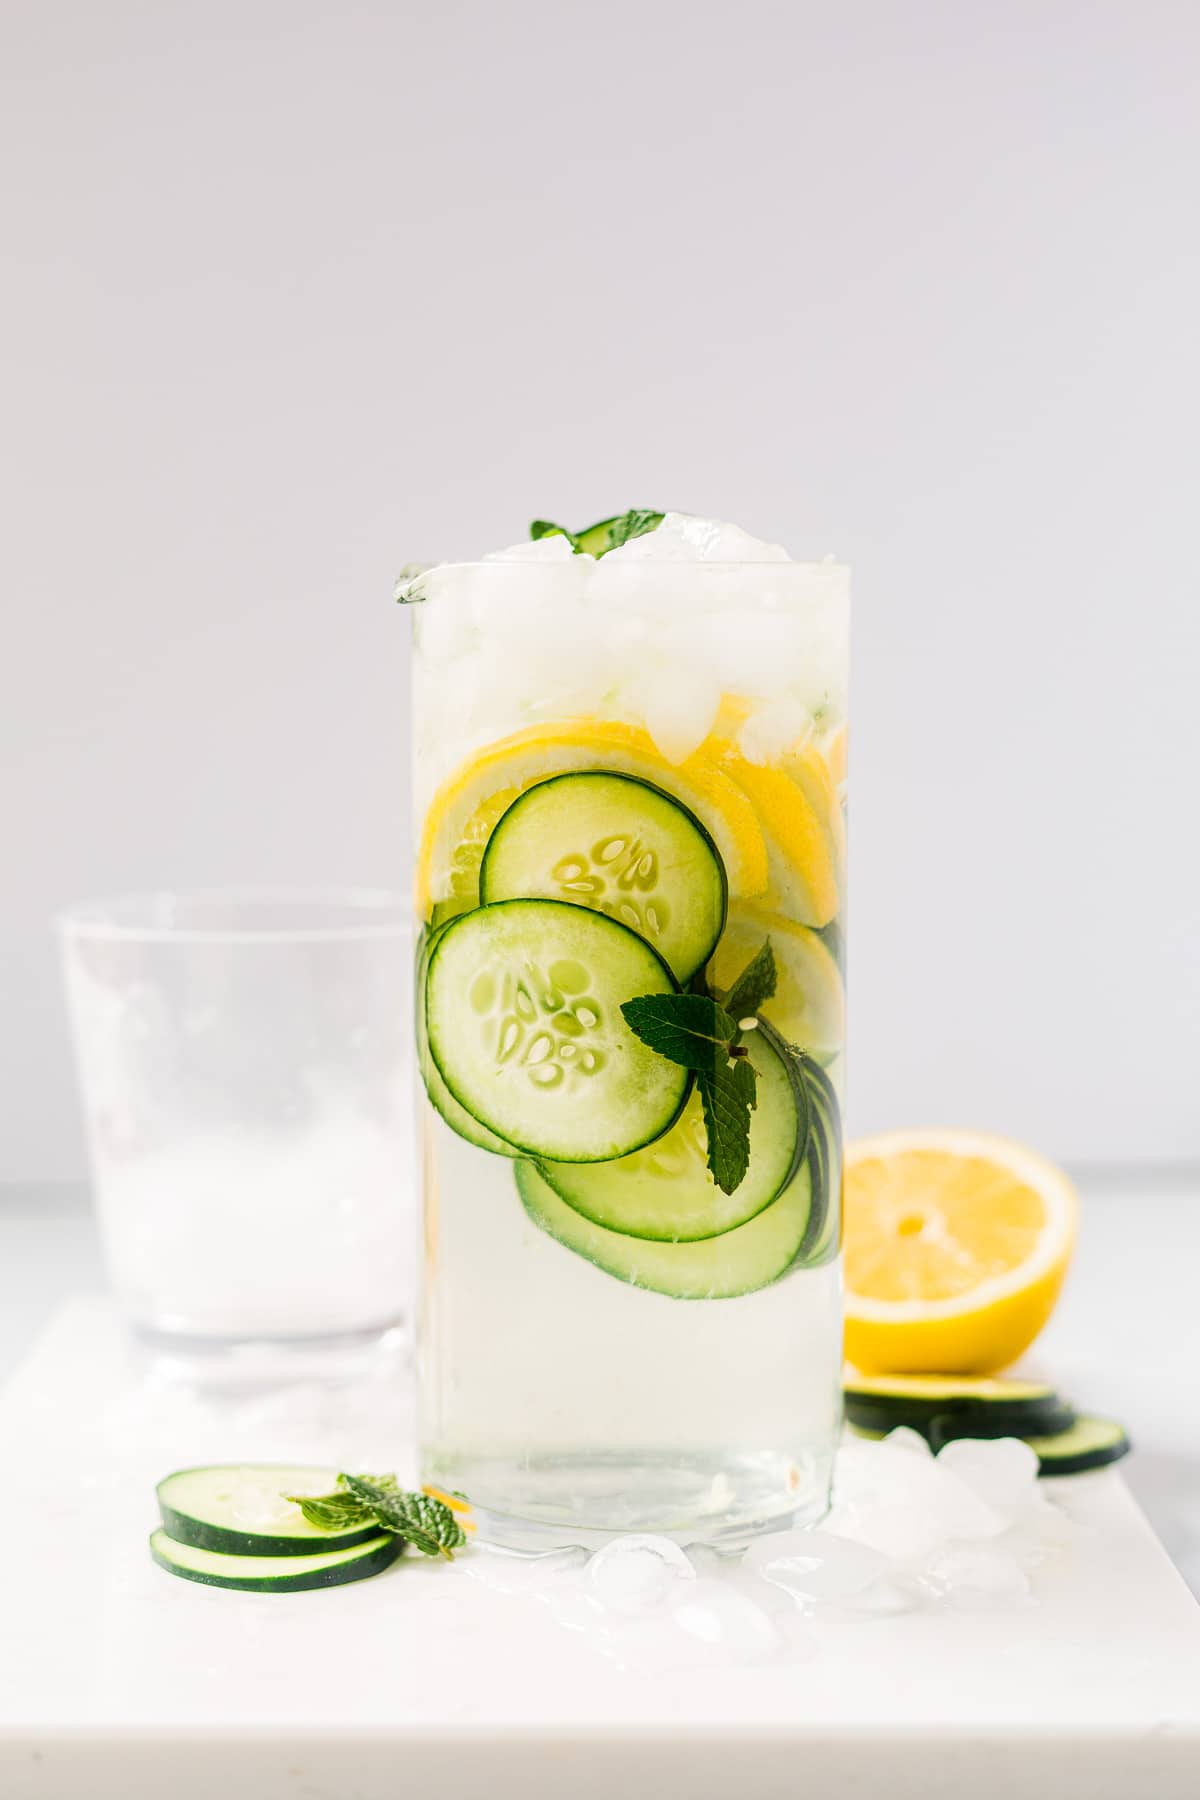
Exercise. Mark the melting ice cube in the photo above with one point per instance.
(636, 1574)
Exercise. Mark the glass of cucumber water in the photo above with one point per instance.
(630, 785)
(245, 1064)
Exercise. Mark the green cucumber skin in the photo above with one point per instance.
(582, 778)
(533, 1151)
(823, 1240)
(528, 1180)
(981, 1420)
(462, 1123)
(186, 1530)
(336, 1575)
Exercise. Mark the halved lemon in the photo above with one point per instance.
(466, 807)
(956, 1247)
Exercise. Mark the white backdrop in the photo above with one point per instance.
(296, 292)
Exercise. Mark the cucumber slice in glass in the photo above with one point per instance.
(523, 1006)
(275, 1574)
(665, 1191)
(620, 846)
(720, 1268)
(440, 1098)
(240, 1509)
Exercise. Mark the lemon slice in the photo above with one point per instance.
(808, 1007)
(801, 852)
(956, 1247)
(466, 807)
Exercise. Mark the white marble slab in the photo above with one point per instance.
(117, 1682)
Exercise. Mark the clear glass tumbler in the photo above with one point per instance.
(629, 778)
(245, 1064)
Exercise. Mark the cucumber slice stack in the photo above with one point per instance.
(204, 1538)
(946, 1407)
(595, 888)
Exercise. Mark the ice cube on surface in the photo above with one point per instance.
(905, 1503)
(718, 1614)
(970, 1576)
(905, 1438)
(1001, 1471)
(816, 1564)
(637, 1574)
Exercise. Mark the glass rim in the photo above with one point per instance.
(370, 912)
(828, 565)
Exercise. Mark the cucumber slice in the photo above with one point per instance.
(946, 1407)
(440, 1098)
(275, 1574)
(1091, 1443)
(665, 1192)
(207, 1508)
(621, 847)
(718, 1268)
(523, 1005)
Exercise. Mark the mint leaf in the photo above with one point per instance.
(609, 534)
(544, 528)
(727, 1096)
(331, 1512)
(688, 1029)
(427, 1524)
(754, 985)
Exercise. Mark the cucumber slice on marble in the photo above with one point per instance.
(720, 1268)
(620, 846)
(1090, 1443)
(523, 1008)
(665, 1191)
(241, 1509)
(275, 1574)
(945, 1407)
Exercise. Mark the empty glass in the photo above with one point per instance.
(245, 1066)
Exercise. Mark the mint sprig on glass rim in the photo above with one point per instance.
(706, 1035)
(609, 534)
(427, 1524)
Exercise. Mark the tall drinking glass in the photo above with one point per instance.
(245, 1066)
(629, 778)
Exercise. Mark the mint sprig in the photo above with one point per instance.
(705, 1035)
(609, 534)
(427, 1524)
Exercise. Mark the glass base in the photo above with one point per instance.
(237, 1363)
(553, 1503)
